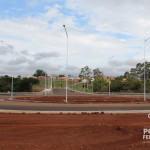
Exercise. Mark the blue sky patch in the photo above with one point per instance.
(119, 35)
(21, 8)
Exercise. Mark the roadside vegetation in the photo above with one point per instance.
(89, 81)
(20, 84)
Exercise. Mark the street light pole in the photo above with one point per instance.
(51, 84)
(12, 71)
(45, 76)
(92, 80)
(144, 69)
(45, 73)
(66, 66)
(109, 75)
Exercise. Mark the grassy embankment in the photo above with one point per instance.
(60, 85)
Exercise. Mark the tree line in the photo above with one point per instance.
(131, 81)
(19, 85)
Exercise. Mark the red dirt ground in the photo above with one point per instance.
(83, 98)
(73, 132)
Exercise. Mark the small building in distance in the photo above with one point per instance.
(124, 80)
(69, 79)
(43, 77)
(106, 78)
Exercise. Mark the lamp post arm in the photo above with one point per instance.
(65, 30)
(12, 84)
(147, 39)
(144, 68)
(66, 66)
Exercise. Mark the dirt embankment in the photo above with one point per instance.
(83, 98)
(73, 132)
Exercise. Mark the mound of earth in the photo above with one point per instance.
(73, 132)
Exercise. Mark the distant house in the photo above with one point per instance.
(69, 79)
(31, 76)
(124, 80)
(107, 78)
(62, 78)
(84, 81)
(43, 77)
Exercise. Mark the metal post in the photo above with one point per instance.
(12, 71)
(92, 80)
(92, 87)
(12, 84)
(66, 67)
(144, 72)
(72, 83)
(45, 84)
(145, 40)
(109, 79)
(45, 73)
(109, 75)
(75, 85)
(109, 85)
(84, 83)
(51, 84)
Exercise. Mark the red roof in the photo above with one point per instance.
(62, 78)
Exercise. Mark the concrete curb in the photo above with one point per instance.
(74, 112)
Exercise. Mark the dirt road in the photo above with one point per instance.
(73, 132)
(79, 98)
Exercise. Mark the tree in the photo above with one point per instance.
(61, 75)
(19, 85)
(85, 72)
(133, 73)
(138, 71)
(134, 84)
(99, 85)
(126, 74)
(40, 72)
(97, 73)
(116, 84)
(25, 85)
(19, 76)
(5, 83)
(34, 81)
(130, 85)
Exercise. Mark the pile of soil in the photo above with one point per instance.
(73, 132)
(83, 99)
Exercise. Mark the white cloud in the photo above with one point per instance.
(18, 61)
(117, 16)
(4, 50)
(91, 43)
(32, 3)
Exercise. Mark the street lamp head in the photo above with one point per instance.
(147, 39)
(10, 46)
(65, 30)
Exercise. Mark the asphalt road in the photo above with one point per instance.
(71, 108)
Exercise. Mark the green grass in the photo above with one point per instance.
(80, 87)
(57, 84)
(36, 86)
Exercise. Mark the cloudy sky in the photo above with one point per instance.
(97, 30)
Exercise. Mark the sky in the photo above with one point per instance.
(108, 35)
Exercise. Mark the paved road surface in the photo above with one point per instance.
(63, 92)
(13, 106)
